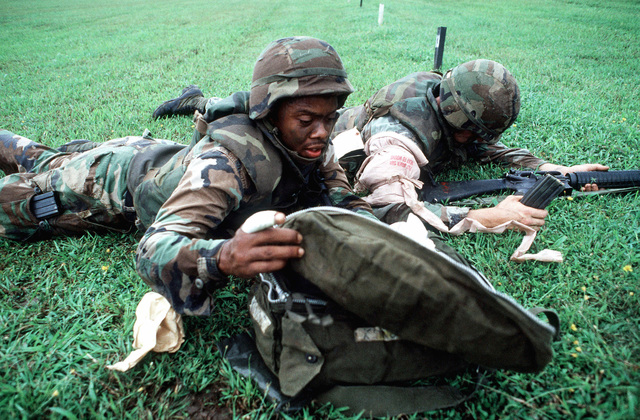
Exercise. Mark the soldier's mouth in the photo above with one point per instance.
(313, 152)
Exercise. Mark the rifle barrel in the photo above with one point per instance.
(605, 179)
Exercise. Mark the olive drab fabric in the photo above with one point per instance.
(394, 310)
(426, 296)
(294, 67)
(329, 345)
(481, 96)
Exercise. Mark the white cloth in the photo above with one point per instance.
(157, 328)
(391, 172)
(346, 142)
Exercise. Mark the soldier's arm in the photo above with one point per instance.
(177, 256)
(503, 155)
(340, 192)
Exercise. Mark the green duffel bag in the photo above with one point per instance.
(367, 307)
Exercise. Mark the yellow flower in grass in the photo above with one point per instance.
(573, 327)
(579, 349)
(574, 354)
(105, 267)
(627, 268)
(55, 393)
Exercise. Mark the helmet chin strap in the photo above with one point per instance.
(273, 130)
(486, 131)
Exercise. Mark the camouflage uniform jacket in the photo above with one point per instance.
(237, 169)
(408, 106)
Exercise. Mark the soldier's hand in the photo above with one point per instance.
(248, 254)
(585, 167)
(510, 209)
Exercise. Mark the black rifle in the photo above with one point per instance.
(548, 185)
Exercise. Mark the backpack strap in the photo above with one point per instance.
(374, 400)
(241, 353)
(387, 400)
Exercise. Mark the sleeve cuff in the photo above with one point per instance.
(455, 215)
(209, 274)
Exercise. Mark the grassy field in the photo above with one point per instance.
(84, 69)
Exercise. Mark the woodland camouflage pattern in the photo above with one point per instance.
(91, 186)
(236, 170)
(240, 167)
(409, 107)
(296, 66)
(481, 96)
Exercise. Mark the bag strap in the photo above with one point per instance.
(552, 317)
(387, 400)
(375, 400)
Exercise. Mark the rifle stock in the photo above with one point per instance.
(521, 181)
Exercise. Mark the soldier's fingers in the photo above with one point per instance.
(589, 187)
(274, 252)
(258, 267)
(277, 236)
(265, 259)
(534, 213)
(535, 222)
(279, 218)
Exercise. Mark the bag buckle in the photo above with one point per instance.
(276, 293)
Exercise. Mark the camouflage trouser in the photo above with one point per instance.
(91, 187)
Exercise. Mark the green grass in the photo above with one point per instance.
(78, 69)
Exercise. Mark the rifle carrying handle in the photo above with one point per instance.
(608, 179)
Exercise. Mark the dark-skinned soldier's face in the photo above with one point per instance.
(305, 123)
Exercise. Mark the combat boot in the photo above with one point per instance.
(187, 103)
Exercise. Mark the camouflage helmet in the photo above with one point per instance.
(293, 67)
(481, 96)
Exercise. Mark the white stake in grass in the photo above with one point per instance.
(380, 14)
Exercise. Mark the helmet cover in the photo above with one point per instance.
(481, 96)
(294, 67)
